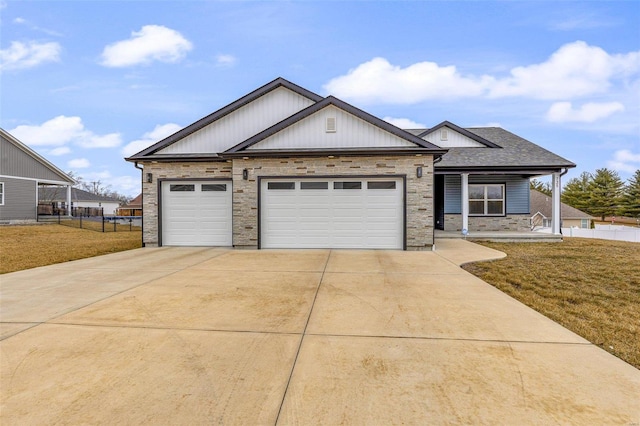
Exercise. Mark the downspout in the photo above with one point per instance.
(135, 164)
(435, 160)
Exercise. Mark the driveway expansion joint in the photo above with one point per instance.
(304, 331)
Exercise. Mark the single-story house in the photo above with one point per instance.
(132, 208)
(22, 172)
(283, 167)
(569, 216)
(82, 202)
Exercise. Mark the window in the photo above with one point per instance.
(182, 188)
(347, 185)
(381, 185)
(281, 185)
(486, 200)
(584, 223)
(207, 187)
(314, 185)
(1, 193)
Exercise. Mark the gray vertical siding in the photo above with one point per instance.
(19, 199)
(517, 192)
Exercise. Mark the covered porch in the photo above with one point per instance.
(488, 204)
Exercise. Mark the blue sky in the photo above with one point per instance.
(86, 83)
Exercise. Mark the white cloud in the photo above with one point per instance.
(129, 185)
(581, 21)
(79, 163)
(625, 161)
(151, 43)
(561, 112)
(404, 123)
(574, 70)
(225, 60)
(22, 21)
(160, 132)
(28, 55)
(110, 140)
(380, 81)
(59, 151)
(63, 130)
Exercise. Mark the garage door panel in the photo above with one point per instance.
(332, 216)
(198, 217)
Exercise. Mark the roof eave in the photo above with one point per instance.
(30, 152)
(332, 152)
(523, 169)
(176, 157)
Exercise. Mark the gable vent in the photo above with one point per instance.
(331, 125)
(444, 134)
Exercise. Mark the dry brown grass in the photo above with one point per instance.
(590, 286)
(30, 246)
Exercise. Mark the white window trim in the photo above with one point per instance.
(2, 193)
(486, 200)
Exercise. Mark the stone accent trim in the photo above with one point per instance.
(512, 222)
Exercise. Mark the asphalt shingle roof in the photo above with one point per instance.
(540, 202)
(514, 152)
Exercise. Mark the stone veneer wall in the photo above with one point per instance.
(513, 222)
(419, 191)
(183, 170)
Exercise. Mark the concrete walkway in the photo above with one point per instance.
(203, 336)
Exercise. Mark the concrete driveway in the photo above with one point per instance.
(215, 336)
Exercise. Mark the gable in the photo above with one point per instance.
(350, 132)
(17, 159)
(241, 123)
(446, 137)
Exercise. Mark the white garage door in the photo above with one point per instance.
(332, 213)
(196, 213)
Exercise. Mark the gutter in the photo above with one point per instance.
(135, 164)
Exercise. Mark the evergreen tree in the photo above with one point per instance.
(544, 187)
(605, 193)
(631, 197)
(576, 192)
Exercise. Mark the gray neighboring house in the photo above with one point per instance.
(22, 172)
(570, 216)
(80, 199)
(283, 167)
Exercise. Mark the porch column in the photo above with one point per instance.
(465, 201)
(555, 205)
(69, 200)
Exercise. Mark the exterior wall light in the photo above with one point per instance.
(149, 177)
(245, 174)
(419, 172)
